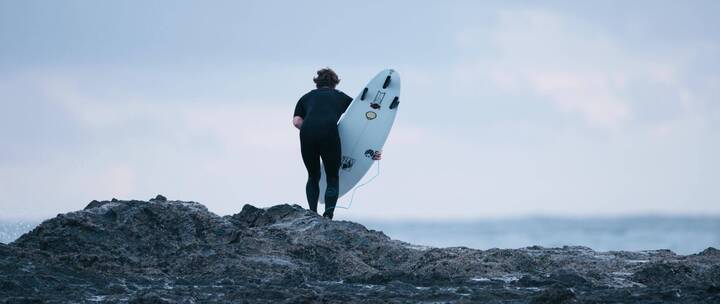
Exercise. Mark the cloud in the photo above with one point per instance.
(136, 147)
(535, 111)
(576, 66)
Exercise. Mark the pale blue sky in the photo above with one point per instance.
(508, 109)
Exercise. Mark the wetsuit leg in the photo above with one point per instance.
(331, 156)
(311, 158)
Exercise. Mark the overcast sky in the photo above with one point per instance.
(508, 108)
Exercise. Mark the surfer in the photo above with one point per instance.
(316, 116)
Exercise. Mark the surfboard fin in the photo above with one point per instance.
(387, 82)
(395, 102)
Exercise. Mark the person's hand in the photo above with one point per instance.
(377, 155)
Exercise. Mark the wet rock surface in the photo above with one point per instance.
(164, 251)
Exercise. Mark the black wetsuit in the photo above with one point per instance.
(320, 109)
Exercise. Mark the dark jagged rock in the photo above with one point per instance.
(159, 198)
(164, 251)
(555, 295)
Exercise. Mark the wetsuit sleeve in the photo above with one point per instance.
(299, 108)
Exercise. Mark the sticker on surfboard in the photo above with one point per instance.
(379, 97)
(347, 163)
(375, 104)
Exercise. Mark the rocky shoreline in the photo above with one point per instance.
(161, 251)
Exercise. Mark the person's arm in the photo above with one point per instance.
(299, 114)
(297, 121)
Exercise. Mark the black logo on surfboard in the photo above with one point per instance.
(370, 153)
(379, 97)
(347, 163)
(375, 104)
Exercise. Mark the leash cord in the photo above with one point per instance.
(352, 197)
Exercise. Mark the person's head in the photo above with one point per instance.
(326, 78)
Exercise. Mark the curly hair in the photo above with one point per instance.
(326, 78)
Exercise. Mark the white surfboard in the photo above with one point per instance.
(364, 128)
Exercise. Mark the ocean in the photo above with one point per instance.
(13, 229)
(683, 235)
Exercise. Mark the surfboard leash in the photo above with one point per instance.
(352, 197)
